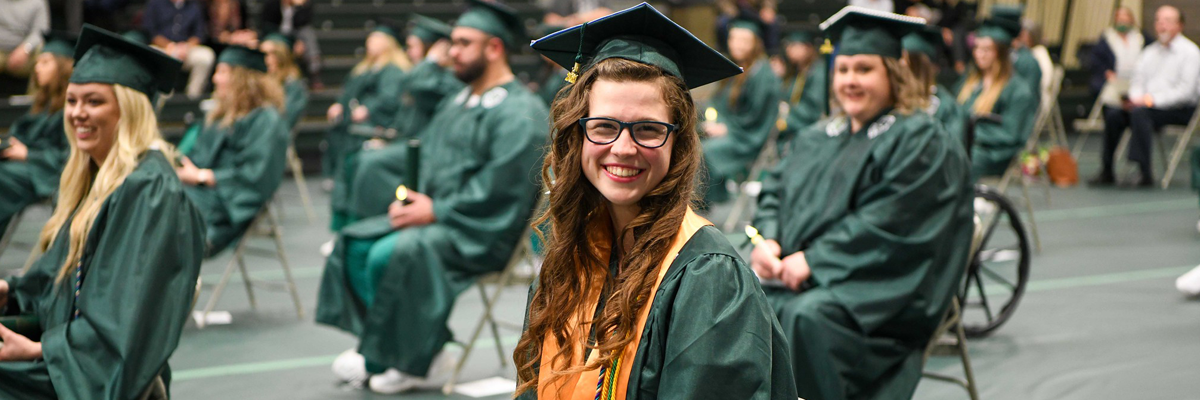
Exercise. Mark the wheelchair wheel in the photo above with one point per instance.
(999, 269)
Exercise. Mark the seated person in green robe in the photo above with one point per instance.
(1025, 65)
(638, 295)
(991, 87)
(805, 75)
(367, 107)
(741, 115)
(922, 50)
(368, 191)
(392, 279)
(109, 297)
(281, 66)
(865, 225)
(34, 150)
(237, 159)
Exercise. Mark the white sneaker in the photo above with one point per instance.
(393, 381)
(351, 367)
(1189, 283)
(327, 248)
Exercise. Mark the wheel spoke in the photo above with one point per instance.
(997, 276)
(983, 300)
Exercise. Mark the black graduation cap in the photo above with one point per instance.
(859, 30)
(641, 34)
(105, 57)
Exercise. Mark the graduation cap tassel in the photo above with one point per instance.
(827, 47)
(574, 74)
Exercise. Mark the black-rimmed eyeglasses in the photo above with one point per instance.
(648, 134)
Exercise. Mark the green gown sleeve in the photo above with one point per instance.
(1028, 69)
(905, 239)
(758, 108)
(136, 294)
(812, 102)
(250, 176)
(386, 100)
(48, 150)
(718, 304)
(429, 83)
(766, 216)
(296, 102)
(1017, 108)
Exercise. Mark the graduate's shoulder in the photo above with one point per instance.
(708, 254)
(513, 102)
(153, 176)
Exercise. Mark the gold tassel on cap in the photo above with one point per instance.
(827, 48)
(574, 74)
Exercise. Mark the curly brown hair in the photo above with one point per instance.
(574, 264)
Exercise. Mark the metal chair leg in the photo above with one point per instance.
(1037, 241)
(212, 300)
(277, 235)
(301, 183)
(241, 262)
(1176, 155)
(468, 345)
(960, 334)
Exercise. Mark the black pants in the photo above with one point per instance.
(1142, 122)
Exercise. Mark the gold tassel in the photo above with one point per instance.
(827, 48)
(573, 75)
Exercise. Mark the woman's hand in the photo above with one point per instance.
(795, 270)
(17, 347)
(334, 112)
(418, 212)
(16, 151)
(360, 114)
(764, 260)
(191, 175)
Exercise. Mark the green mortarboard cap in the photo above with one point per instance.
(800, 36)
(390, 28)
(277, 37)
(1004, 24)
(927, 41)
(428, 29)
(859, 30)
(748, 24)
(137, 36)
(641, 34)
(495, 19)
(1008, 13)
(245, 57)
(59, 43)
(105, 57)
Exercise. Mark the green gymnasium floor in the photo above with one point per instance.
(1101, 318)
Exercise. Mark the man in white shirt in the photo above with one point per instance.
(1163, 92)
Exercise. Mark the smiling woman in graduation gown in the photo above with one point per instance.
(39, 133)
(1006, 96)
(866, 227)
(113, 289)
(238, 159)
(746, 108)
(627, 258)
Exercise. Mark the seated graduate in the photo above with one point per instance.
(421, 91)
(1025, 65)
(805, 77)
(392, 279)
(741, 114)
(638, 296)
(369, 100)
(991, 87)
(865, 225)
(237, 159)
(32, 156)
(109, 297)
(281, 66)
(921, 54)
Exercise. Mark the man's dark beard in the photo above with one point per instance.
(471, 72)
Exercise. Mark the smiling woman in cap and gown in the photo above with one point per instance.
(639, 297)
(110, 295)
(238, 158)
(32, 157)
(393, 279)
(865, 225)
(742, 113)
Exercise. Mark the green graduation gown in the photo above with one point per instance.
(1027, 67)
(710, 333)
(996, 144)
(379, 91)
(139, 271)
(23, 183)
(883, 217)
(480, 170)
(549, 88)
(422, 90)
(247, 159)
(806, 101)
(749, 125)
(945, 109)
(296, 100)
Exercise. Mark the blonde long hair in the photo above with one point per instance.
(252, 89)
(1000, 77)
(393, 54)
(51, 98)
(286, 68)
(84, 186)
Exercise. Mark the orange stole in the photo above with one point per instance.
(582, 386)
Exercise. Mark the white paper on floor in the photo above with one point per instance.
(214, 318)
(486, 387)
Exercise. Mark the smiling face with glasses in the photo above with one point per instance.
(626, 160)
